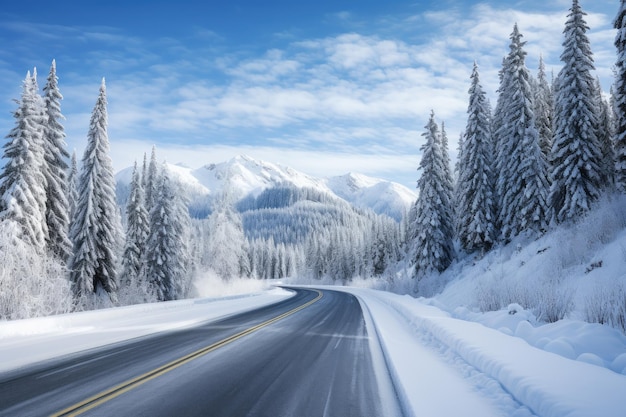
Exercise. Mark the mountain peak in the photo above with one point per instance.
(246, 176)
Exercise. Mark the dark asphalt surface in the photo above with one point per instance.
(315, 362)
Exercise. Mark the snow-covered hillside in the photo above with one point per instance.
(564, 293)
(383, 197)
(245, 176)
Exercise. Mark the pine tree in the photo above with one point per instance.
(167, 250)
(544, 110)
(137, 231)
(475, 196)
(144, 172)
(445, 155)
(497, 138)
(152, 180)
(432, 248)
(96, 227)
(448, 181)
(619, 98)
(227, 243)
(72, 186)
(575, 156)
(22, 182)
(55, 170)
(522, 183)
(604, 133)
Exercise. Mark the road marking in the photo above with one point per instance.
(104, 396)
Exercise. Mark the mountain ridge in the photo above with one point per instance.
(249, 177)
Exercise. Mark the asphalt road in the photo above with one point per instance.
(309, 355)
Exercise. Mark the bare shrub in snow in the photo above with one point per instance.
(601, 225)
(31, 285)
(606, 304)
(489, 296)
(549, 299)
(554, 301)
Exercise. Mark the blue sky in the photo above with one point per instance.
(326, 87)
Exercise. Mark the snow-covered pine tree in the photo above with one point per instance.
(144, 173)
(522, 184)
(151, 180)
(619, 98)
(227, 251)
(22, 181)
(137, 231)
(445, 155)
(576, 154)
(72, 186)
(96, 230)
(497, 121)
(544, 109)
(432, 248)
(55, 170)
(167, 248)
(474, 191)
(604, 133)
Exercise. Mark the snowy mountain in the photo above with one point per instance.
(378, 195)
(247, 177)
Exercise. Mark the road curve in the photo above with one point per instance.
(308, 355)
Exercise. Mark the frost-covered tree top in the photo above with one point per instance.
(151, 180)
(576, 153)
(22, 182)
(544, 109)
(167, 246)
(137, 230)
(55, 169)
(72, 185)
(431, 226)
(96, 228)
(619, 96)
(474, 192)
(522, 178)
(226, 248)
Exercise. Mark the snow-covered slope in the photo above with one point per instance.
(379, 195)
(246, 176)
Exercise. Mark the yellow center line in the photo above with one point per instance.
(126, 386)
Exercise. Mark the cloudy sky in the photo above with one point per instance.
(326, 86)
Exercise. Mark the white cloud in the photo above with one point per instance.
(353, 101)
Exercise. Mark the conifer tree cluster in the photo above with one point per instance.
(619, 98)
(60, 228)
(543, 157)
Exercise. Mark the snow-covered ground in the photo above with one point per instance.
(447, 366)
(32, 340)
(441, 365)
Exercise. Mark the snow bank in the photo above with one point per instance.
(32, 340)
(588, 342)
(417, 338)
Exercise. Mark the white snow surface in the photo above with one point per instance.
(446, 366)
(32, 340)
(440, 365)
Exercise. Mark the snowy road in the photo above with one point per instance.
(316, 361)
(332, 357)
